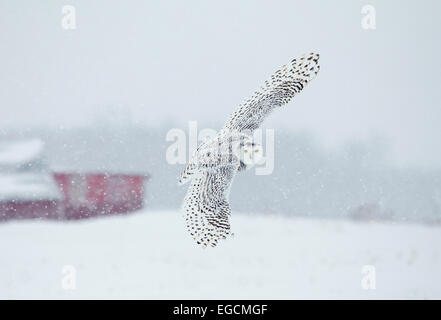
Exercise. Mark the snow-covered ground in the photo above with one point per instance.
(148, 255)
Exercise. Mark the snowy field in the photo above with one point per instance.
(149, 256)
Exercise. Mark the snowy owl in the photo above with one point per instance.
(215, 163)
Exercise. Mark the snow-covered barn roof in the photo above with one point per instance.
(18, 153)
(19, 186)
(94, 151)
(20, 176)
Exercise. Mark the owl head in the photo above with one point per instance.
(250, 153)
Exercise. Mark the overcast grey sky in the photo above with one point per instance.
(196, 60)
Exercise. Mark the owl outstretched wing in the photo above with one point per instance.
(206, 206)
(278, 90)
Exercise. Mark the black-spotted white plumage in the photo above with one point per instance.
(215, 163)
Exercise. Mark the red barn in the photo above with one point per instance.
(29, 189)
(95, 194)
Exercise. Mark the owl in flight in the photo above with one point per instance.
(215, 163)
